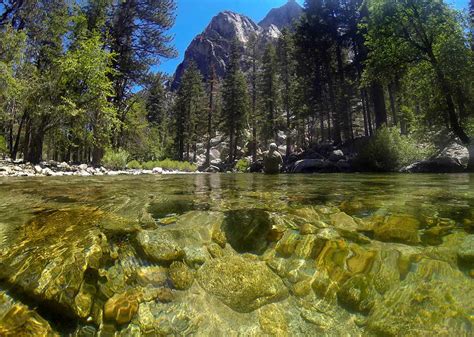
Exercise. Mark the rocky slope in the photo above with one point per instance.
(211, 47)
(282, 17)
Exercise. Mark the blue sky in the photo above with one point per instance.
(192, 16)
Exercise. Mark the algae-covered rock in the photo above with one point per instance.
(121, 308)
(16, 320)
(273, 321)
(243, 285)
(181, 276)
(158, 246)
(56, 254)
(435, 299)
(466, 249)
(343, 221)
(398, 228)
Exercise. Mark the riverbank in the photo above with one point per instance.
(18, 168)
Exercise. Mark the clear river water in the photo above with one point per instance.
(237, 255)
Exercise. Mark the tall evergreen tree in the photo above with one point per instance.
(270, 95)
(190, 108)
(287, 71)
(235, 102)
(212, 83)
(412, 32)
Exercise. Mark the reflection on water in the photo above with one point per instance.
(248, 255)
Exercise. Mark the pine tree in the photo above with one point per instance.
(189, 112)
(270, 95)
(211, 109)
(235, 102)
(253, 81)
(287, 71)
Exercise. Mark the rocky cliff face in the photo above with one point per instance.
(211, 48)
(282, 17)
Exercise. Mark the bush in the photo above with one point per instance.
(242, 165)
(170, 165)
(388, 151)
(134, 165)
(115, 160)
(3, 146)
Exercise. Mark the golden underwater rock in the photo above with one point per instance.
(242, 284)
(16, 320)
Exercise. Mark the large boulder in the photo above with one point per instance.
(435, 165)
(434, 299)
(242, 284)
(398, 228)
(456, 151)
(314, 166)
(336, 155)
(159, 246)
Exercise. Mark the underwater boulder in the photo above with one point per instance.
(398, 228)
(433, 298)
(159, 247)
(242, 284)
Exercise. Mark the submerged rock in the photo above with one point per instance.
(435, 299)
(398, 228)
(466, 249)
(181, 276)
(16, 320)
(242, 284)
(57, 259)
(121, 308)
(159, 246)
(248, 231)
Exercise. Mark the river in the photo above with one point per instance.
(237, 255)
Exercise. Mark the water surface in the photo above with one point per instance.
(237, 254)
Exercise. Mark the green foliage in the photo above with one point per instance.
(235, 102)
(115, 159)
(134, 165)
(424, 44)
(189, 108)
(3, 146)
(270, 99)
(388, 151)
(170, 165)
(242, 165)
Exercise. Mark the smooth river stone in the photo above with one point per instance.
(242, 284)
(158, 246)
(398, 228)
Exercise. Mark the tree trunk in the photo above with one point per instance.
(378, 99)
(18, 135)
(344, 109)
(470, 165)
(391, 94)
(97, 154)
(35, 146)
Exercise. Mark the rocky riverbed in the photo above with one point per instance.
(246, 262)
(9, 168)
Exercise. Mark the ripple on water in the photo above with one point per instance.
(325, 255)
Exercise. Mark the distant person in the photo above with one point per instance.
(272, 160)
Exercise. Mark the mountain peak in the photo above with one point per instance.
(230, 25)
(283, 16)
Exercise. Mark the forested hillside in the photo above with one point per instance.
(75, 83)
